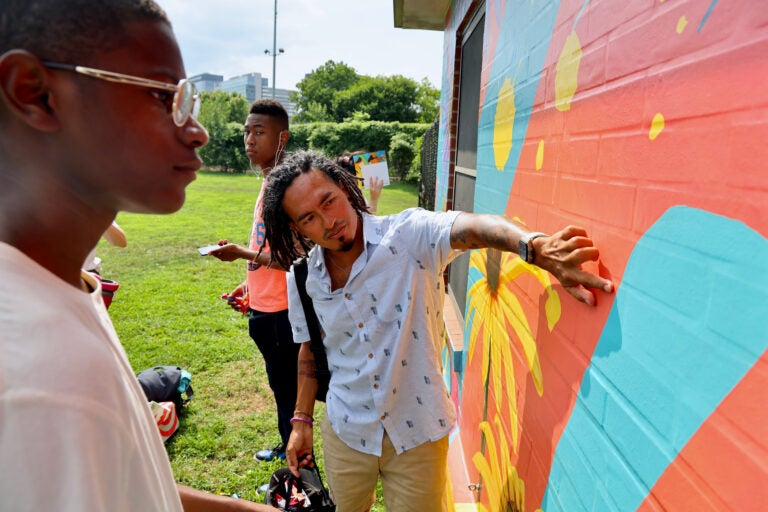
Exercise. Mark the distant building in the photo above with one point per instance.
(283, 96)
(207, 81)
(251, 85)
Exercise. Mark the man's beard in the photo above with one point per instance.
(346, 246)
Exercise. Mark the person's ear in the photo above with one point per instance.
(25, 89)
(284, 136)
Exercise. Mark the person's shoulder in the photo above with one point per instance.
(418, 215)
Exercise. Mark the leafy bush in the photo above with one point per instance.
(401, 152)
(358, 133)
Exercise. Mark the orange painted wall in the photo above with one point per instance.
(646, 122)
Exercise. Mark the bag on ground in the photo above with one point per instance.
(167, 384)
(166, 418)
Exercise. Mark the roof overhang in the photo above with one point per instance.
(421, 14)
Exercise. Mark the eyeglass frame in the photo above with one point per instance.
(121, 78)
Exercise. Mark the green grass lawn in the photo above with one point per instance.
(168, 310)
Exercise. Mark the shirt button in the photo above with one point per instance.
(346, 295)
(375, 386)
(383, 417)
(370, 356)
(360, 325)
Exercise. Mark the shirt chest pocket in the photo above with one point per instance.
(388, 287)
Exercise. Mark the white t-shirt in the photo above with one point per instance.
(76, 433)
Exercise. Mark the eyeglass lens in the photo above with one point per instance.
(185, 103)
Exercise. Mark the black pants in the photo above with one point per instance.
(272, 334)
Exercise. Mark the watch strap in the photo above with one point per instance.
(526, 246)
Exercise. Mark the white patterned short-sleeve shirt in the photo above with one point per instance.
(384, 332)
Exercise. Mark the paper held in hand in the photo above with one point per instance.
(369, 165)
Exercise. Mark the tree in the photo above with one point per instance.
(316, 91)
(223, 115)
(384, 98)
(335, 92)
(427, 101)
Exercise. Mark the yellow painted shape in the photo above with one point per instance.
(503, 124)
(501, 481)
(540, 156)
(681, 24)
(567, 72)
(467, 507)
(657, 126)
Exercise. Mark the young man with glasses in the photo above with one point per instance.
(95, 118)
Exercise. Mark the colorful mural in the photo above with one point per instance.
(646, 123)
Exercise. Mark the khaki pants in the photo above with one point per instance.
(412, 481)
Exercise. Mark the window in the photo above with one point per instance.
(465, 171)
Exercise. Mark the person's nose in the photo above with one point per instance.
(194, 134)
(328, 220)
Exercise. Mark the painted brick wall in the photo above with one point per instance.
(645, 122)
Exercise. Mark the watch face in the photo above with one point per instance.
(523, 250)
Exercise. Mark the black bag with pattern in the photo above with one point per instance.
(303, 494)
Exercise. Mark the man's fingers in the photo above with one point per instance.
(582, 294)
(581, 255)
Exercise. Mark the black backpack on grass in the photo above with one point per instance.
(167, 384)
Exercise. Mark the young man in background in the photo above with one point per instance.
(265, 134)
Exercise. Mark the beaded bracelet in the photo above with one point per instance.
(303, 420)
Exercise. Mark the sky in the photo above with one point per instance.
(228, 37)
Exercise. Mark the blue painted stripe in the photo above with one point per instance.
(689, 320)
(706, 15)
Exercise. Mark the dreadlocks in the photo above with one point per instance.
(282, 239)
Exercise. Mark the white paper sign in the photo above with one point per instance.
(379, 170)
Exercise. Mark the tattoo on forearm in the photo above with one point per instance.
(307, 368)
(495, 235)
(460, 237)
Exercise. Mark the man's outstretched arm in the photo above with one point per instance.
(561, 254)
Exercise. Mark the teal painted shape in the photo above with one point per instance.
(689, 320)
(473, 275)
(520, 55)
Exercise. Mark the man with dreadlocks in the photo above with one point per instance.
(376, 285)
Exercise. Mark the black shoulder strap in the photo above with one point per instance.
(300, 272)
(322, 373)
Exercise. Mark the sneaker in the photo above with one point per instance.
(278, 452)
(263, 489)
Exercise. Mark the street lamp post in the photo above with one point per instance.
(274, 53)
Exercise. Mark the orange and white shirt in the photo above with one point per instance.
(266, 287)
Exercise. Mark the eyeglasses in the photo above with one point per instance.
(186, 100)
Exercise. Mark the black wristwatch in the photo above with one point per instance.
(525, 248)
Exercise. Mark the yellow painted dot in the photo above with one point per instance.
(681, 24)
(657, 125)
(567, 72)
(504, 124)
(540, 156)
